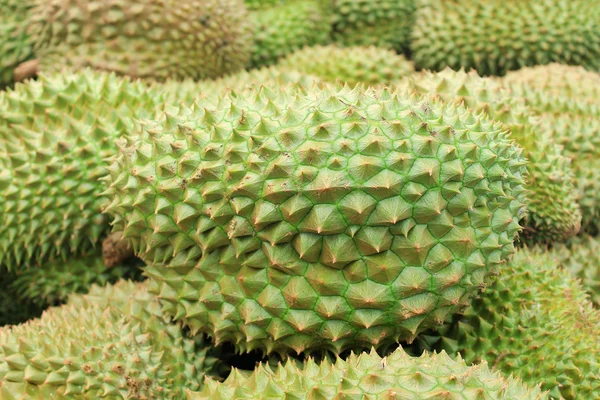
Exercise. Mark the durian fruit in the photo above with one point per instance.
(581, 256)
(52, 284)
(381, 23)
(369, 376)
(148, 39)
(185, 92)
(12, 309)
(554, 213)
(567, 99)
(534, 321)
(54, 136)
(287, 27)
(290, 220)
(368, 65)
(112, 343)
(496, 36)
(15, 44)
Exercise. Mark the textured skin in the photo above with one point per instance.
(581, 256)
(351, 65)
(554, 213)
(534, 321)
(149, 39)
(284, 220)
(54, 136)
(496, 36)
(15, 44)
(567, 99)
(381, 23)
(113, 343)
(368, 376)
(52, 284)
(288, 27)
(177, 92)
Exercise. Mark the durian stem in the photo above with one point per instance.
(116, 250)
(26, 70)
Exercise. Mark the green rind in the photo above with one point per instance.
(496, 36)
(294, 220)
(112, 343)
(55, 134)
(147, 39)
(369, 376)
(366, 65)
(534, 321)
(281, 30)
(554, 214)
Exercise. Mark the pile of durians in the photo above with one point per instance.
(299, 199)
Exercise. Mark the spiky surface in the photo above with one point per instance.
(112, 343)
(368, 65)
(287, 27)
(534, 321)
(554, 213)
(52, 284)
(15, 44)
(149, 39)
(567, 99)
(290, 220)
(369, 376)
(177, 92)
(496, 36)
(581, 256)
(54, 136)
(13, 310)
(381, 23)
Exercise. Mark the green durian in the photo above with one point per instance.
(15, 44)
(291, 220)
(111, 343)
(14, 310)
(368, 65)
(54, 136)
(554, 213)
(496, 36)
(534, 321)
(52, 284)
(148, 39)
(287, 27)
(369, 376)
(581, 256)
(381, 23)
(567, 100)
